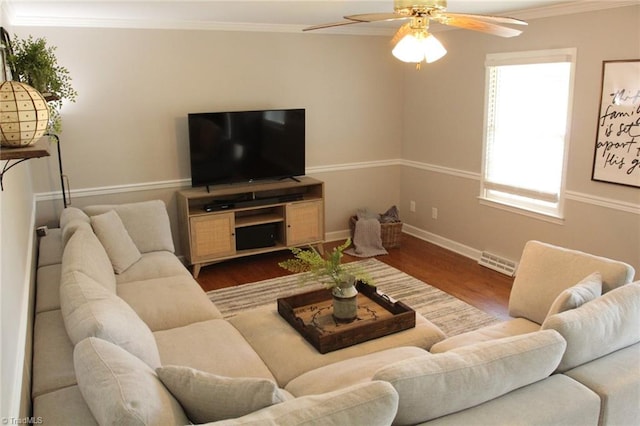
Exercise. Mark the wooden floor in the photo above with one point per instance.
(455, 274)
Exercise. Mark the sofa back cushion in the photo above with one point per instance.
(369, 403)
(89, 310)
(70, 214)
(85, 253)
(545, 271)
(146, 222)
(71, 219)
(435, 385)
(599, 327)
(116, 241)
(120, 389)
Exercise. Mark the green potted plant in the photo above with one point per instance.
(33, 62)
(333, 274)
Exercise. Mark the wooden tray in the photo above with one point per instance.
(311, 315)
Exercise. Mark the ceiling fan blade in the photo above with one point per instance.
(496, 19)
(376, 17)
(476, 25)
(333, 24)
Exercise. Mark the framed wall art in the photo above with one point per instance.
(617, 150)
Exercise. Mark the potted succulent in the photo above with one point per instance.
(33, 62)
(333, 274)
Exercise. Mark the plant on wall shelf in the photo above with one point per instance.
(33, 62)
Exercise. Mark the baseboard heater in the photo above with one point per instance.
(497, 263)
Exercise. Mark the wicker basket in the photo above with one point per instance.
(390, 233)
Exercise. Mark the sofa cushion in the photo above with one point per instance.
(436, 385)
(585, 291)
(90, 310)
(616, 380)
(63, 407)
(147, 223)
(85, 254)
(168, 302)
(512, 327)
(121, 389)
(207, 397)
(556, 400)
(213, 346)
(599, 327)
(371, 404)
(545, 271)
(48, 287)
(52, 365)
(50, 248)
(116, 241)
(155, 264)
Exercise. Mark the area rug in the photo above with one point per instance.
(452, 315)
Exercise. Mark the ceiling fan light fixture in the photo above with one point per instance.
(418, 46)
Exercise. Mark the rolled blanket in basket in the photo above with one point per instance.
(366, 239)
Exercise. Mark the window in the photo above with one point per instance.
(527, 116)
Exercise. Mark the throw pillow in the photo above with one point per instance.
(585, 291)
(207, 397)
(147, 222)
(119, 246)
(435, 385)
(120, 389)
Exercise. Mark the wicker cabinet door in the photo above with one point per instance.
(305, 222)
(212, 236)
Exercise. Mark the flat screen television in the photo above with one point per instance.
(244, 146)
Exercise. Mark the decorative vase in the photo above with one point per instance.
(345, 305)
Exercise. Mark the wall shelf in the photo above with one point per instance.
(14, 156)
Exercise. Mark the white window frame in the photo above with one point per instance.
(529, 203)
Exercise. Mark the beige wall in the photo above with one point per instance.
(137, 86)
(443, 133)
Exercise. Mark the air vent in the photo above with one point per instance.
(497, 263)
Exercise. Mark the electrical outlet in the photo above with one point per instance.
(434, 212)
(412, 206)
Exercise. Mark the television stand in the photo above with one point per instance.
(215, 221)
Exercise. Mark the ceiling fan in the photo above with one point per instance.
(412, 41)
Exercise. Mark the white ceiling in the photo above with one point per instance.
(259, 15)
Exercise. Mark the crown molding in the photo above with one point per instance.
(578, 6)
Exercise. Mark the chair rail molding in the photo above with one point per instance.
(581, 197)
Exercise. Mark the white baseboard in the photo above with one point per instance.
(446, 243)
(443, 242)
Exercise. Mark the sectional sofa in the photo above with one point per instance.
(124, 335)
